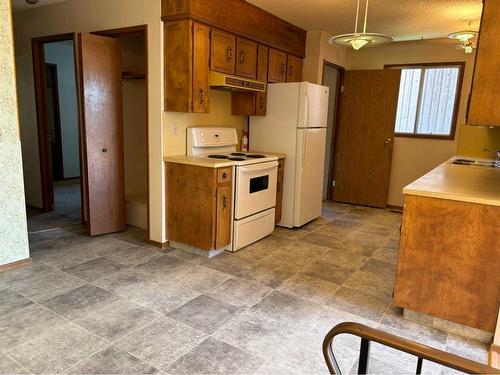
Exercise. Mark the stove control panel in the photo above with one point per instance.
(211, 137)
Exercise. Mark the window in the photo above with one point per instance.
(428, 100)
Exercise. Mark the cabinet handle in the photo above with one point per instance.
(224, 201)
(278, 188)
(242, 57)
(290, 71)
(202, 96)
(224, 175)
(229, 53)
(283, 68)
(261, 102)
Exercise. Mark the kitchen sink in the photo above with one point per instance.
(476, 163)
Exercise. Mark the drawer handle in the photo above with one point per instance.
(224, 175)
(229, 53)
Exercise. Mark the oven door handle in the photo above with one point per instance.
(258, 167)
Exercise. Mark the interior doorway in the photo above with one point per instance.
(332, 78)
(58, 134)
(107, 168)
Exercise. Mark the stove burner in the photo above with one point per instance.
(218, 156)
(236, 159)
(238, 154)
(256, 156)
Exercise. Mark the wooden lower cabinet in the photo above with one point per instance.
(279, 191)
(199, 201)
(448, 262)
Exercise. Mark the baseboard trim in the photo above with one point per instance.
(160, 245)
(494, 356)
(16, 264)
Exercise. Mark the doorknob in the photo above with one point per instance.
(388, 140)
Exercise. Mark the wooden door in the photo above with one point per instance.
(223, 46)
(223, 231)
(262, 71)
(277, 66)
(246, 65)
(485, 95)
(365, 136)
(201, 71)
(100, 85)
(294, 70)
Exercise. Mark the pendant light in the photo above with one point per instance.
(358, 40)
(465, 37)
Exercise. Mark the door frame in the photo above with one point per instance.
(57, 117)
(40, 82)
(335, 121)
(130, 30)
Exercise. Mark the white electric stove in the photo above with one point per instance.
(254, 182)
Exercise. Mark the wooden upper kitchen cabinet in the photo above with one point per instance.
(277, 66)
(294, 69)
(246, 63)
(199, 202)
(223, 51)
(484, 108)
(249, 103)
(186, 66)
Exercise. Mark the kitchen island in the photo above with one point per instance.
(449, 257)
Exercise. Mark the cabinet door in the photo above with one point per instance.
(277, 66)
(222, 57)
(246, 64)
(201, 71)
(294, 70)
(485, 96)
(262, 68)
(223, 230)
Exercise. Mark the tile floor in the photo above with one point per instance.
(113, 304)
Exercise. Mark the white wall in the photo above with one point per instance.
(13, 229)
(88, 16)
(62, 54)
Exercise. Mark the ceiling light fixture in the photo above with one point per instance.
(358, 40)
(465, 37)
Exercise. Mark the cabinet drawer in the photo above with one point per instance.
(224, 175)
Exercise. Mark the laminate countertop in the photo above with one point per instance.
(210, 163)
(199, 161)
(459, 183)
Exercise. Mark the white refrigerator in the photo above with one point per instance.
(295, 124)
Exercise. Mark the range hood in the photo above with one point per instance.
(221, 81)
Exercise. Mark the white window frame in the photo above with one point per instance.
(423, 66)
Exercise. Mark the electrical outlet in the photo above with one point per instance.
(173, 129)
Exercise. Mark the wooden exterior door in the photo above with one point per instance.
(365, 136)
(100, 85)
(223, 46)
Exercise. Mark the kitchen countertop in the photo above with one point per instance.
(211, 163)
(198, 161)
(460, 183)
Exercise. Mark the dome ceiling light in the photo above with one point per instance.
(358, 40)
(465, 37)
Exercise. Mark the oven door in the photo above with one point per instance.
(255, 188)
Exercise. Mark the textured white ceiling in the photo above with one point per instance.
(402, 19)
(18, 5)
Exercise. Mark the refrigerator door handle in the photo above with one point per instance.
(306, 105)
(304, 152)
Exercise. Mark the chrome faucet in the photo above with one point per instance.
(496, 154)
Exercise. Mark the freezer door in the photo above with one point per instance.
(313, 106)
(309, 175)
